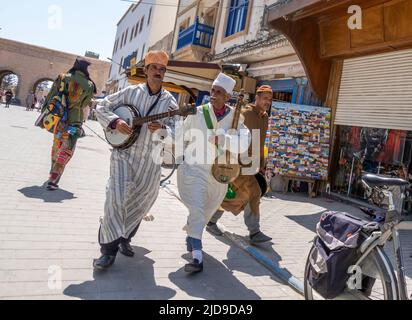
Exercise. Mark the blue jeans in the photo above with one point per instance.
(193, 244)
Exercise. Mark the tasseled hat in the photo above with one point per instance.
(264, 89)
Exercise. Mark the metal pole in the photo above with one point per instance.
(350, 177)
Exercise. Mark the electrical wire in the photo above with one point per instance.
(174, 5)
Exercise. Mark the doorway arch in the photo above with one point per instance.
(10, 80)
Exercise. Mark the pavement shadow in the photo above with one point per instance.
(328, 204)
(216, 282)
(308, 221)
(128, 279)
(235, 260)
(40, 192)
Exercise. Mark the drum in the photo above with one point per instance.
(262, 183)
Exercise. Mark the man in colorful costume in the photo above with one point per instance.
(78, 90)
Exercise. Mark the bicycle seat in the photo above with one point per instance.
(375, 180)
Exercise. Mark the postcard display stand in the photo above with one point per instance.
(298, 142)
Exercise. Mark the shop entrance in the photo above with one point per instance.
(371, 150)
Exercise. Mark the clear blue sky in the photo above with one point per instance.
(84, 24)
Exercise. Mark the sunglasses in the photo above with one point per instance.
(159, 69)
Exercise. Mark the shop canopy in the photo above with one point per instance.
(294, 8)
(181, 76)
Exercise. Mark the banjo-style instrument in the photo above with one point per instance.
(132, 117)
(228, 171)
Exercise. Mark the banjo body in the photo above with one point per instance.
(227, 172)
(123, 141)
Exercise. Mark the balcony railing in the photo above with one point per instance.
(197, 34)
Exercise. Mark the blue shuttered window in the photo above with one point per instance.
(237, 16)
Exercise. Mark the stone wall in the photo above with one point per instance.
(32, 63)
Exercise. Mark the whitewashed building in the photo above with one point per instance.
(235, 31)
(143, 25)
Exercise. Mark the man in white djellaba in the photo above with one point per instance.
(201, 193)
(134, 172)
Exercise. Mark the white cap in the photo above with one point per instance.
(225, 82)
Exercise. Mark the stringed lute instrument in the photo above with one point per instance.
(226, 167)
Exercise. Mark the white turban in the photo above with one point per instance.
(225, 82)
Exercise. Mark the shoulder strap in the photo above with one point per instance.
(154, 104)
(208, 119)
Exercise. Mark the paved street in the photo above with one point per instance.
(43, 232)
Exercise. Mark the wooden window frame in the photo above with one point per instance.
(121, 65)
(184, 22)
(214, 11)
(141, 24)
(137, 28)
(240, 33)
(143, 48)
(125, 38)
(115, 45)
(122, 41)
(150, 15)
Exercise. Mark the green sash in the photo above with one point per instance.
(230, 194)
(208, 119)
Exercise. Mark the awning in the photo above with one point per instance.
(287, 7)
(289, 66)
(182, 75)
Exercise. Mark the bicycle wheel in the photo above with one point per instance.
(377, 279)
(168, 166)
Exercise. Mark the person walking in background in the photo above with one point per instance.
(9, 96)
(77, 86)
(34, 103)
(1, 96)
(41, 103)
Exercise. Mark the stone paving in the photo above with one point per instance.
(46, 235)
(43, 234)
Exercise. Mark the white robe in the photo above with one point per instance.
(198, 189)
(134, 176)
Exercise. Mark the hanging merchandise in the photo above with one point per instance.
(299, 140)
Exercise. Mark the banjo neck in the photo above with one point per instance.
(143, 120)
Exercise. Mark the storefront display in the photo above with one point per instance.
(370, 150)
(363, 74)
(298, 141)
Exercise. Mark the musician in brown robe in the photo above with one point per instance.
(248, 190)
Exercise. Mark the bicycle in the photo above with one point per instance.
(377, 278)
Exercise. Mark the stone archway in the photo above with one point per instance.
(10, 80)
(32, 63)
(42, 87)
